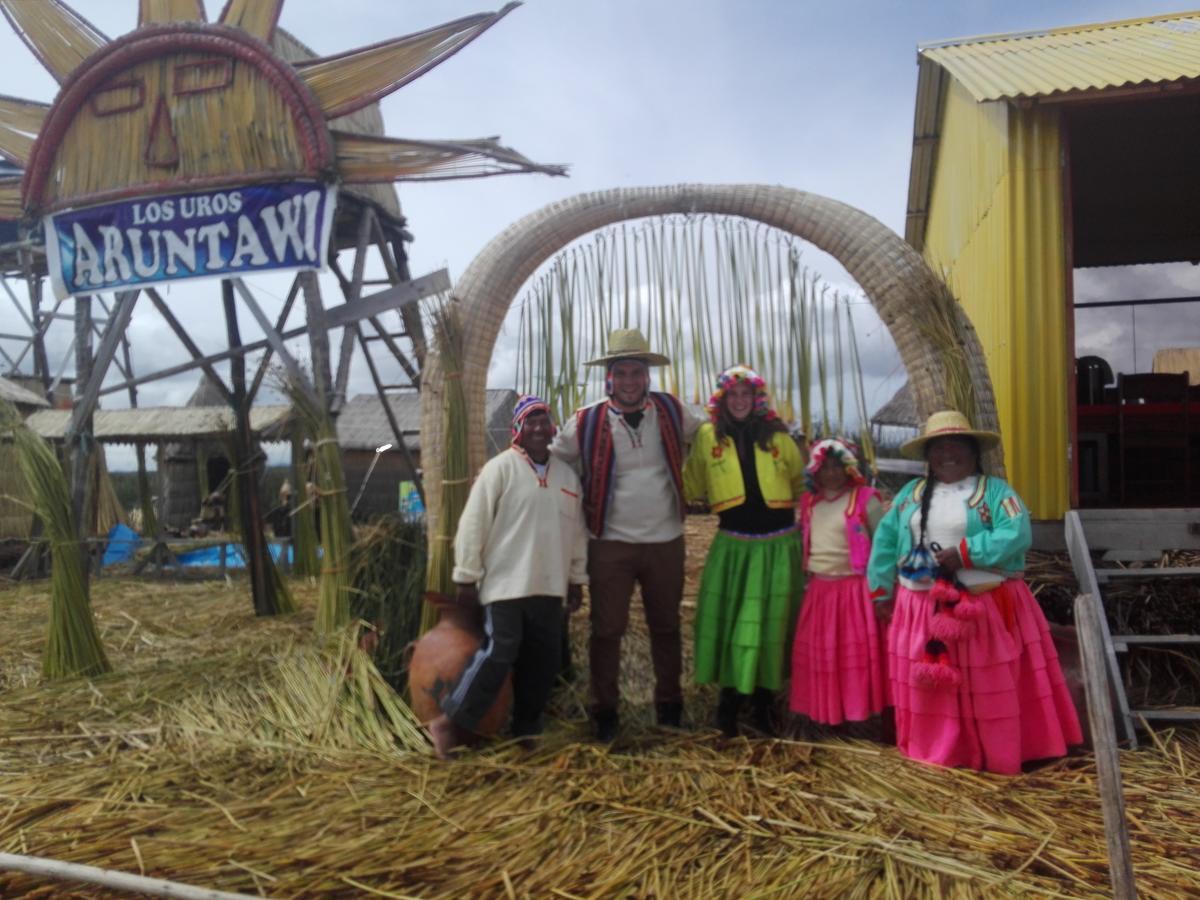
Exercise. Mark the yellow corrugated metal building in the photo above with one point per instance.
(995, 205)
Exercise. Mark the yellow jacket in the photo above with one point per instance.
(712, 473)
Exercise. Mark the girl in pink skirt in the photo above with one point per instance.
(838, 672)
(972, 669)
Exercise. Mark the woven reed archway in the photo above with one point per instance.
(892, 274)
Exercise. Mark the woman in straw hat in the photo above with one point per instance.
(973, 672)
(750, 472)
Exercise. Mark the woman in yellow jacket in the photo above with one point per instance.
(750, 472)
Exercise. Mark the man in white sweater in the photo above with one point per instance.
(521, 547)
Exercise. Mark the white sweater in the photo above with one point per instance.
(517, 538)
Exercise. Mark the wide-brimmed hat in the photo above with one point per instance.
(947, 423)
(629, 343)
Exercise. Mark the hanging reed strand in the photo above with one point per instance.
(73, 645)
(456, 483)
(708, 291)
(333, 601)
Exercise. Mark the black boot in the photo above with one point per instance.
(764, 705)
(728, 706)
(606, 725)
(669, 715)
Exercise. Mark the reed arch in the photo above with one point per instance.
(892, 274)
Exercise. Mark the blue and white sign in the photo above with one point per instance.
(205, 234)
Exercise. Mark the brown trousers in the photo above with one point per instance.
(613, 568)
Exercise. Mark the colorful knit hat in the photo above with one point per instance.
(843, 451)
(730, 377)
(526, 405)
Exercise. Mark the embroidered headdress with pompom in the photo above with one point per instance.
(730, 377)
(843, 450)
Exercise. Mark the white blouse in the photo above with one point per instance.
(946, 527)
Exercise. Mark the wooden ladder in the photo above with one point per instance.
(1091, 582)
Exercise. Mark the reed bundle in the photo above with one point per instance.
(333, 509)
(942, 328)
(365, 158)
(16, 516)
(304, 516)
(456, 470)
(709, 292)
(73, 646)
(387, 562)
(105, 509)
(199, 762)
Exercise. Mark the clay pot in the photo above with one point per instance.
(439, 657)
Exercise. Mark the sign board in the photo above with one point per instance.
(224, 233)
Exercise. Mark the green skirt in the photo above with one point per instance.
(749, 594)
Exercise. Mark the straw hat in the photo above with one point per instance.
(947, 423)
(628, 343)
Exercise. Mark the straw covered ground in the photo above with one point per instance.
(232, 752)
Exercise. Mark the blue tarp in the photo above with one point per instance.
(122, 544)
(234, 559)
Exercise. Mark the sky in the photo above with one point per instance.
(813, 95)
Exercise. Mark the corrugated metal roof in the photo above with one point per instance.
(1133, 52)
(14, 393)
(152, 424)
(362, 424)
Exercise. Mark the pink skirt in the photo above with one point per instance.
(838, 653)
(1011, 703)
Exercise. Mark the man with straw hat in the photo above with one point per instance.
(630, 449)
(520, 548)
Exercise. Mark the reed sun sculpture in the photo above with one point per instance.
(190, 149)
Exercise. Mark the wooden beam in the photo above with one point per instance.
(389, 342)
(352, 295)
(244, 469)
(273, 338)
(1085, 575)
(265, 362)
(86, 403)
(346, 313)
(199, 359)
(392, 423)
(1088, 619)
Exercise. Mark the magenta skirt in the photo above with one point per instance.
(838, 653)
(1004, 700)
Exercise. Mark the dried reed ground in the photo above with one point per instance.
(165, 767)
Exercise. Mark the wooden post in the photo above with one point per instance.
(1104, 741)
(33, 281)
(253, 541)
(318, 336)
(352, 292)
(78, 441)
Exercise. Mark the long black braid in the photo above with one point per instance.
(930, 481)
